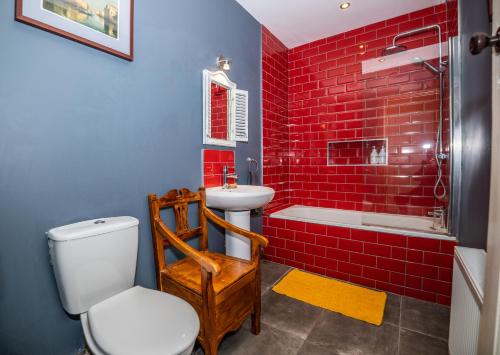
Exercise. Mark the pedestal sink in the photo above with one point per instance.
(237, 204)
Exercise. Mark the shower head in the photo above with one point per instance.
(397, 48)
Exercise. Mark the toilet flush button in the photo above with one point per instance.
(99, 221)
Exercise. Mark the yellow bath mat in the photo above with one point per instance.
(337, 296)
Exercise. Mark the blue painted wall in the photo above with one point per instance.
(84, 135)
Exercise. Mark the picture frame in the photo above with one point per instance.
(106, 25)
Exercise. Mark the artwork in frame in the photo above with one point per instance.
(107, 25)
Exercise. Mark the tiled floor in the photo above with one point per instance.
(411, 327)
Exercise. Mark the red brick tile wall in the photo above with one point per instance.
(330, 99)
(411, 266)
(218, 115)
(275, 117)
(213, 162)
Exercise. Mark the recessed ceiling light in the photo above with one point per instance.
(345, 5)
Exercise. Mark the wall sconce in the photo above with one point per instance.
(224, 63)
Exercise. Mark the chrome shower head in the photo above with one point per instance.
(397, 48)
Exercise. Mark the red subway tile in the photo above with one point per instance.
(295, 246)
(448, 247)
(376, 274)
(363, 259)
(436, 259)
(339, 232)
(364, 235)
(351, 269)
(435, 286)
(422, 295)
(363, 281)
(305, 237)
(337, 254)
(377, 249)
(316, 228)
(392, 239)
(315, 250)
(415, 256)
(422, 270)
(351, 245)
(391, 264)
(326, 263)
(424, 244)
(295, 225)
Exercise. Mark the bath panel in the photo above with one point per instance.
(341, 247)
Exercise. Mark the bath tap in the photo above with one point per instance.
(438, 213)
(226, 175)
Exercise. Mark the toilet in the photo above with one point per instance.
(94, 264)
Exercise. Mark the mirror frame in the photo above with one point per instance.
(219, 78)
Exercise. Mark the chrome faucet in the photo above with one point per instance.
(226, 175)
(438, 214)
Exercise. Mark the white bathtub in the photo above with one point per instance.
(380, 222)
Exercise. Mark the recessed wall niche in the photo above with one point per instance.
(357, 152)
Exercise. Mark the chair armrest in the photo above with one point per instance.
(204, 261)
(226, 225)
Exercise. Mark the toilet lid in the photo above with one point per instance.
(143, 321)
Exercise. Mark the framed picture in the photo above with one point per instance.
(107, 25)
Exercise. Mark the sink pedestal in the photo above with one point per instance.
(236, 245)
(237, 204)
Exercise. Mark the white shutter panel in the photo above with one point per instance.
(240, 130)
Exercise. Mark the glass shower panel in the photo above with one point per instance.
(408, 85)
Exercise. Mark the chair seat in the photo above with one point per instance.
(188, 272)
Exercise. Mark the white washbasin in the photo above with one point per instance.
(242, 198)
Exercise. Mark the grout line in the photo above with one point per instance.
(427, 335)
(399, 326)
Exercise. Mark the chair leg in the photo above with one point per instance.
(210, 347)
(256, 309)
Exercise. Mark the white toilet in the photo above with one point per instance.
(94, 264)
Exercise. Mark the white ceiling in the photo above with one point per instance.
(297, 22)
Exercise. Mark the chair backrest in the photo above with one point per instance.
(179, 201)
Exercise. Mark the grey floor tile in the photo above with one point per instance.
(271, 273)
(342, 335)
(310, 348)
(270, 341)
(392, 312)
(425, 317)
(288, 314)
(412, 343)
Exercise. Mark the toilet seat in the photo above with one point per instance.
(143, 321)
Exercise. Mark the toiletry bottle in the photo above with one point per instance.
(382, 156)
(374, 156)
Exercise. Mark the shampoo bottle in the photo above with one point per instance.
(374, 156)
(382, 156)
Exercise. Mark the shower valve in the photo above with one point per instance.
(442, 156)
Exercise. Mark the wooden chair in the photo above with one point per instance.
(223, 290)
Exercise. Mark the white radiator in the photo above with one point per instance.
(466, 300)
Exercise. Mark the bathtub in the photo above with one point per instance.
(394, 253)
(381, 222)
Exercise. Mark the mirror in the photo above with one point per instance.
(218, 97)
(219, 109)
